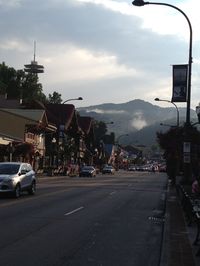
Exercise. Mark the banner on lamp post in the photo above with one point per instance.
(180, 74)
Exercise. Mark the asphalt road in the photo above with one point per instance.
(108, 220)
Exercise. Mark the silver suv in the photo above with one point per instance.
(16, 177)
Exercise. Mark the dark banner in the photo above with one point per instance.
(180, 73)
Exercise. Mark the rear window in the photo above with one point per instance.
(88, 168)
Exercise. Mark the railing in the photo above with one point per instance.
(191, 208)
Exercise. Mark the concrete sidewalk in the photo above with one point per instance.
(177, 249)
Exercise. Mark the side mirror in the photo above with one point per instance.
(23, 172)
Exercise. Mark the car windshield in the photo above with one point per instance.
(9, 169)
(87, 168)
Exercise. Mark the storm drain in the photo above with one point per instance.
(157, 220)
(157, 217)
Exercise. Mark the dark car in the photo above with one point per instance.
(16, 177)
(108, 169)
(87, 171)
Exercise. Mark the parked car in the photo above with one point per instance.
(163, 168)
(16, 177)
(108, 169)
(88, 171)
(131, 168)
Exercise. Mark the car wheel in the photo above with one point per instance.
(17, 191)
(32, 189)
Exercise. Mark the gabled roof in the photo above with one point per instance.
(34, 104)
(60, 114)
(85, 122)
(32, 115)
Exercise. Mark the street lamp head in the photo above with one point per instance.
(198, 109)
(198, 112)
(157, 99)
(74, 99)
(139, 3)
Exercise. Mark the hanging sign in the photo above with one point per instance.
(186, 147)
(180, 74)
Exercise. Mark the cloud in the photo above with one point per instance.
(14, 44)
(82, 65)
(5, 4)
(120, 7)
(105, 51)
(101, 111)
(138, 121)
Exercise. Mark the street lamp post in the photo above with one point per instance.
(74, 99)
(123, 135)
(109, 123)
(118, 149)
(160, 100)
(187, 143)
(142, 3)
(62, 126)
(167, 125)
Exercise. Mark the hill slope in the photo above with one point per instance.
(138, 118)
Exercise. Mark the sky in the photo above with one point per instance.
(105, 51)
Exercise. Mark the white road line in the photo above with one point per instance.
(113, 193)
(76, 210)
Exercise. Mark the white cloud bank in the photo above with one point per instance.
(102, 50)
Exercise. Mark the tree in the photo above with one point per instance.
(7, 78)
(100, 130)
(55, 98)
(19, 85)
(172, 144)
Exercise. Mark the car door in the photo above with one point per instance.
(23, 176)
(29, 175)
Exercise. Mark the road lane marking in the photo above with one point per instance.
(113, 193)
(76, 210)
(25, 198)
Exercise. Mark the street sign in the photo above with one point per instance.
(186, 158)
(186, 147)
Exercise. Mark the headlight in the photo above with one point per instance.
(8, 180)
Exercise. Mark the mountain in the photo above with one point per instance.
(138, 118)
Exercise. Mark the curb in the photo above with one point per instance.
(166, 232)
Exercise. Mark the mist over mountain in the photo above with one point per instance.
(138, 118)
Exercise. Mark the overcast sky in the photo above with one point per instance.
(106, 51)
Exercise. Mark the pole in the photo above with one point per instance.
(124, 135)
(187, 140)
(142, 3)
(177, 111)
(189, 59)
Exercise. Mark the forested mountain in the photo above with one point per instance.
(140, 119)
